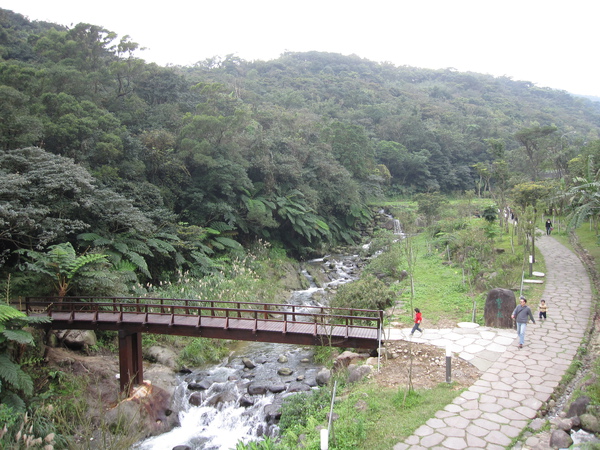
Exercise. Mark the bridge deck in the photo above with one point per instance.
(306, 325)
(220, 320)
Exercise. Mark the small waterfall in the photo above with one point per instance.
(398, 227)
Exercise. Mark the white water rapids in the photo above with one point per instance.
(211, 426)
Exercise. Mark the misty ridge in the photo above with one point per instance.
(290, 150)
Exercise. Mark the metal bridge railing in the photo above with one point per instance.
(275, 312)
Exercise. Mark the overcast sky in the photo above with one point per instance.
(551, 43)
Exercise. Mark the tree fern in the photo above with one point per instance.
(12, 375)
(139, 261)
(83, 260)
(61, 264)
(95, 239)
(228, 243)
(8, 313)
(13, 380)
(13, 401)
(163, 247)
(18, 336)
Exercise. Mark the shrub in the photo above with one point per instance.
(202, 351)
(366, 293)
(298, 408)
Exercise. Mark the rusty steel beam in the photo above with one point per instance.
(131, 367)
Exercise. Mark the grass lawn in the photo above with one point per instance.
(443, 293)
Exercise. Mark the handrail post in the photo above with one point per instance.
(329, 431)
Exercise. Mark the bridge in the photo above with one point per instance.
(246, 321)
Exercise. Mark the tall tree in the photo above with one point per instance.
(18, 128)
(535, 147)
(352, 148)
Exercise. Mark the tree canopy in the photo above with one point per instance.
(172, 167)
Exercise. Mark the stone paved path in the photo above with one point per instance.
(515, 382)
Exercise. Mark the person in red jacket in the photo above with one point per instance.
(418, 320)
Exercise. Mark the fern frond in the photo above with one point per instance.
(124, 266)
(139, 247)
(160, 246)
(19, 336)
(211, 231)
(179, 259)
(228, 242)
(8, 312)
(169, 236)
(121, 247)
(25, 383)
(13, 401)
(84, 260)
(221, 226)
(9, 370)
(35, 320)
(139, 261)
(95, 239)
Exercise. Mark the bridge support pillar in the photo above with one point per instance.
(130, 360)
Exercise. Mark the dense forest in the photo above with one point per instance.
(166, 169)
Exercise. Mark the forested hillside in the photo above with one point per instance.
(168, 168)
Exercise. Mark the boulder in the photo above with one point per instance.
(372, 361)
(199, 386)
(284, 371)
(276, 388)
(579, 406)
(248, 363)
(221, 397)
(246, 401)
(273, 412)
(196, 399)
(161, 355)
(590, 423)
(323, 377)
(298, 387)
(499, 305)
(345, 359)
(564, 424)
(257, 389)
(357, 373)
(148, 409)
(77, 339)
(560, 439)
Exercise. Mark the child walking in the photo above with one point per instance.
(543, 309)
(418, 320)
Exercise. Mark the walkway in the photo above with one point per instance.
(515, 383)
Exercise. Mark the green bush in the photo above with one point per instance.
(389, 263)
(366, 293)
(298, 408)
(201, 351)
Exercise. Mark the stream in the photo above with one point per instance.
(238, 400)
